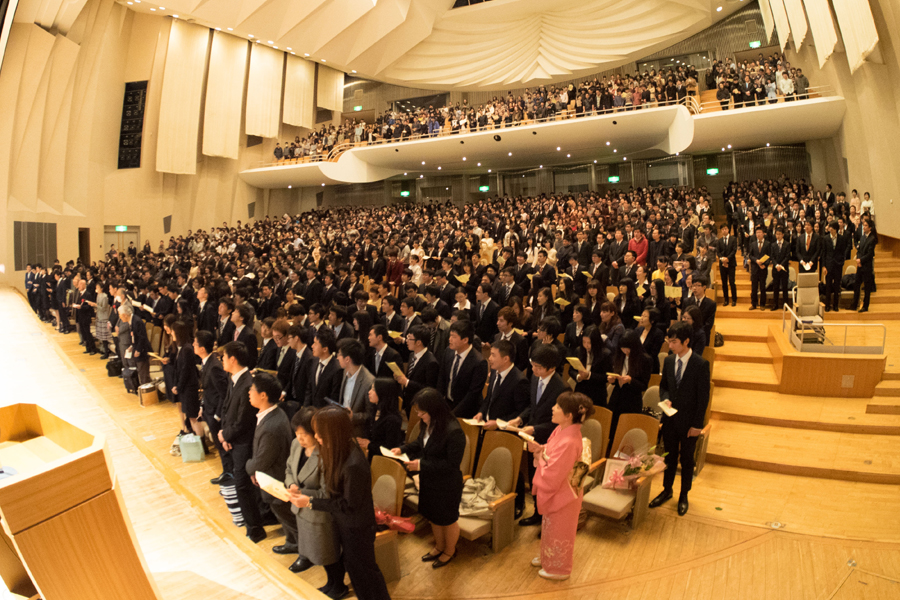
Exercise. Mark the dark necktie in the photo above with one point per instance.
(412, 364)
(678, 372)
(453, 373)
(319, 372)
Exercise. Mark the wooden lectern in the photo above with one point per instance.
(66, 534)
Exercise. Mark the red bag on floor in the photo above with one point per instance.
(401, 524)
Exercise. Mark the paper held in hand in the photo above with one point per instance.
(272, 486)
(526, 437)
(673, 291)
(474, 422)
(463, 279)
(576, 364)
(395, 369)
(395, 334)
(387, 452)
(664, 406)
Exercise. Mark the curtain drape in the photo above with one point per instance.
(330, 89)
(300, 92)
(224, 95)
(179, 107)
(797, 20)
(768, 22)
(264, 91)
(782, 25)
(822, 27)
(857, 30)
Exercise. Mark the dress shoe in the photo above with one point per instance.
(223, 479)
(285, 549)
(862, 310)
(432, 556)
(442, 563)
(682, 507)
(774, 308)
(836, 309)
(734, 302)
(664, 496)
(300, 565)
(256, 534)
(534, 519)
(518, 513)
(340, 592)
(752, 308)
(854, 307)
(547, 575)
(325, 589)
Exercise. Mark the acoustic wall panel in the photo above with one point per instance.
(264, 91)
(131, 131)
(299, 92)
(182, 89)
(797, 19)
(224, 96)
(330, 88)
(821, 24)
(782, 25)
(857, 30)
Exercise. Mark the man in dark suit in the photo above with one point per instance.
(205, 312)
(337, 318)
(484, 313)
(536, 419)
(781, 258)
(446, 290)
(242, 318)
(391, 318)
(505, 331)
(140, 345)
(685, 387)
(835, 248)
(544, 273)
(377, 266)
(629, 267)
(268, 303)
(808, 250)
(686, 235)
(329, 289)
(83, 315)
(224, 326)
(726, 251)
(507, 393)
(313, 290)
(410, 320)
(271, 447)
(865, 265)
(508, 287)
(433, 300)
(298, 338)
(214, 384)
(238, 418)
(422, 368)
(324, 377)
(380, 353)
(521, 271)
(582, 248)
(463, 371)
(707, 307)
(268, 354)
(759, 268)
(616, 255)
(284, 357)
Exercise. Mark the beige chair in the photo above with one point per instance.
(806, 299)
(610, 296)
(155, 335)
(388, 480)
(651, 398)
(471, 432)
(634, 433)
(412, 427)
(604, 417)
(593, 430)
(501, 457)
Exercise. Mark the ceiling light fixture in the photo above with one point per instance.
(289, 49)
(294, 53)
(489, 170)
(439, 168)
(323, 60)
(557, 148)
(568, 156)
(719, 9)
(276, 47)
(729, 145)
(250, 36)
(595, 162)
(289, 187)
(270, 41)
(353, 71)
(307, 54)
(153, 9)
(323, 185)
(767, 144)
(464, 158)
(231, 29)
(162, 8)
(217, 28)
(423, 162)
(510, 154)
(614, 150)
(607, 143)
(479, 164)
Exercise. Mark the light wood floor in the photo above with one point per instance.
(725, 547)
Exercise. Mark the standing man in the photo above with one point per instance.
(781, 257)
(83, 315)
(808, 250)
(759, 268)
(237, 433)
(214, 383)
(242, 319)
(29, 287)
(726, 250)
(422, 369)
(684, 387)
(865, 265)
(833, 264)
(356, 381)
(140, 345)
(463, 371)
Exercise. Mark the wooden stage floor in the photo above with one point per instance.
(834, 539)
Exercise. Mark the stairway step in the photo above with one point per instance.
(744, 352)
(735, 330)
(889, 388)
(883, 405)
(746, 376)
(890, 376)
(822, 454)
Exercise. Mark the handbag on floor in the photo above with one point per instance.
(130, 377)
(191, 448)
(114, 368)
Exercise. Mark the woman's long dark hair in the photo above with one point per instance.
(365, 324)
(431, 401)
(638, 361)
(388, 392)
(332, 425)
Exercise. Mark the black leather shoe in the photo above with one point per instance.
(752, 308)
(862, 310)
(734, 302)
(827, 309)
(682, 507)
(663, 497)
(534, 519)
(256, 534)
(338, 593)
(518, 513)
(300, 565)
(223, 479)
(442, 563)
(285, 549)
(836, 309)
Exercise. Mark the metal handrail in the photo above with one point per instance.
(819, 91)
(805, 327)
(692, 102)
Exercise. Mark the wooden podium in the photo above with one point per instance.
(66, 534)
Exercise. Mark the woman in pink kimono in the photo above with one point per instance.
(556, 499)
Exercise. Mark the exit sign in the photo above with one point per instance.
(405, 193)
(121, 227)
(614, 179)
(712, 171)
(755, 44)
(484, 188)
(357, 108)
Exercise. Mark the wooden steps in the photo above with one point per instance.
(734, 330)
(883, 405)
(808, 453)
(841, 415)
(889, 388)
(744, 352)
(745, 376)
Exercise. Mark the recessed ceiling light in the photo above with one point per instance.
(323, 185)
(289, 187)
(542, 166)
(323, 60)
(607, 143)
(354, 71)
(423, 162)
(479, 164)
(131, 3)
(439, 168)
(153, 9)
(162, 8)
(404, 173)
(217, 28)
(270, 41)
(250, 36)
(421, 176)
(624, 158)
(729, 145)
(294, 53)
(174, 16)
(464, 158)
(510, 154)
(719, 9)
(489, 170)
(258, 41)
(568, 156)
(723, 149)
(289, 49)
(614, 150)
(595, 162)
(276, 47)
(557, 148)
(306, 54)
(138, 1)
(767, 144)
(231, 29)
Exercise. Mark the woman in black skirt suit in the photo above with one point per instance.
(187, 378)
(437, 454)
(652, 337)
(632, 367)
(596, 358)
(384, 426)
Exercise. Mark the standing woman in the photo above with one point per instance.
(632, 368)
(596, 360)
(348, 483)
(384, 423)
(556, 499)
(104, 335)
(187, 379)
(438, 452)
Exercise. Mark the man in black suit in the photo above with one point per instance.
(337, 318)
(759, 268)
(686, 235)
(707, 307)
(83, 315)
(521, 271)
(536, 419)
(484, 313)
(433, 300)
(616, 255)
(835, 248)
(205, 312)
(268, 354)
(422, 368)
(865, 265)
(582, 248)
(726, 251)
(314, 289)
(214, 384)
(808, 250)
(271, 447)
(390, 317)
(242, 318)
(268, 303)
(380, 353)
(544, 273)
(224, 327)
(628, 270)
(377, 266)
(506, 318)
(297, 339)
(238, 419)
(463, 371)
(781, 258)
(598, 270)
(324, 377)
(140, 345)
(685, 387)
(446, 290)
(329, 289)
(508, 287)
(507, 393)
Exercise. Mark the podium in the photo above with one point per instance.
(66, 534)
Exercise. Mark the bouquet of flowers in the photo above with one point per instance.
(640, 465)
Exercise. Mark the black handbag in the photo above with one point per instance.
(114, 368)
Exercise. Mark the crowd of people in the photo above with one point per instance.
(497, 293)
(757, 82)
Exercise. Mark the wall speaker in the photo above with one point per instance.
(167, 224)
(251, 210)
(132, 129)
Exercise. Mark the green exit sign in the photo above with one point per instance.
(484, 188)
(712, 171)
(357, 108)
(614, 179)
(755, 44)
(405, 193)
(121, 227)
